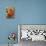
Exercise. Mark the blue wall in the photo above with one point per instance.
(6, 25)
(31, 11)
(27, 12)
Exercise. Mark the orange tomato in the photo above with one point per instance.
(10, 12)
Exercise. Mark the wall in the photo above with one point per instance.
(27, 12)
(7, 25)
(31, 11)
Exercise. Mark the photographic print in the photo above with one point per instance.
(31, 33)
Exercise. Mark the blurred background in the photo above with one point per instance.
(27, 12)
(7, 25)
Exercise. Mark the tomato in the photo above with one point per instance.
(10, 12)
